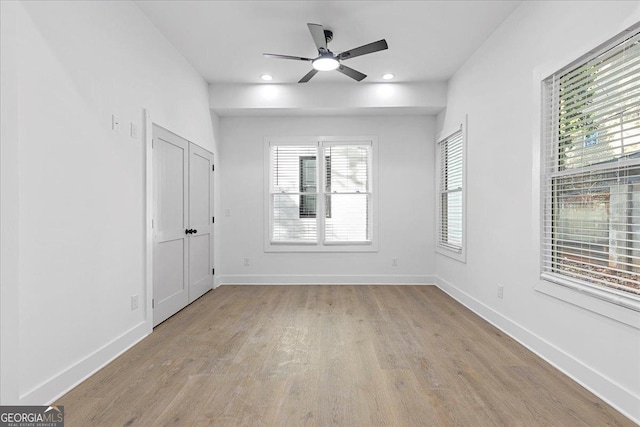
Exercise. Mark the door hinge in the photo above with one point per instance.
(213, 219)
(152, 223)
(213, 271)
(152, 142)
(153, 303)
(213, 168)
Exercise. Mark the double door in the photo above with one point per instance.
(182, 223)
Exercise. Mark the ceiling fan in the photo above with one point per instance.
(327, 60)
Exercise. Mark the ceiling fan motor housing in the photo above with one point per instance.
(328, 35)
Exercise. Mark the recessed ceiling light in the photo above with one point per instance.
(266, 77)
(388, 76)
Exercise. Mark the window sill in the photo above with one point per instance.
(314, 247)
(609, 303)
(458, 256)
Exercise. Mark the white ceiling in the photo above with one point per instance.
(224, 40)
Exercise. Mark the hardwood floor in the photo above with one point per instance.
(331, 355)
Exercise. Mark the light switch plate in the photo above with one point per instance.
(115, 123)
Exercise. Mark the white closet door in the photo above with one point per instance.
(200, 221)
(170, 221)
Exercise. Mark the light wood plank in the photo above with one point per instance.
(331, 355)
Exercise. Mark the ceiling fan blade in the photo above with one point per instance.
(356, 75)
(308, 76)
(363, 50)
(297, 58)
(317, 32)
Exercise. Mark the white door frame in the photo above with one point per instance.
(148, 218)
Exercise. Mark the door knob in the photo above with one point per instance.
(190, 231)
(194, 231)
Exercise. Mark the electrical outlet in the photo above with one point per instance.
(134, 130)
(246, 262)
(394, 262)
(500, 291)
(134, 302)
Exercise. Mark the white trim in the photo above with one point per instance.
(148, 218)
(459, 254)
(325, 279)
(566, 290)
(619, 397)
(313, 140)
(605, 302)
(216, 281)
(291, 141)
(319, 245)
(450, 132)
(47, 392)
(338, 141)
(353, 242)
(212, 207)
(315, 247)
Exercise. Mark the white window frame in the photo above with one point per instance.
(459, 254)
(320, 245)
(614, 304)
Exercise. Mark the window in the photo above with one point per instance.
(293, 205)
(308, 179)
(308, 184)
(321, 194)
(450, 205)
(591, 171)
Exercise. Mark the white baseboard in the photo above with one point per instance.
(614, 394)
(315, 279)
(54, 388)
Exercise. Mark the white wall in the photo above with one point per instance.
(496, 89)
(405, 217)
(427, 98)
(74, 249)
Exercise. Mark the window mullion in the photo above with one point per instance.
(453, 190)
(320, 198)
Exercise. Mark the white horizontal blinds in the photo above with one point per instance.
(294, 193)
(348, 193)
(450, 204)
(598, 108)
(591, 182)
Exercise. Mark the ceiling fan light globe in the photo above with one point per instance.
(325, 64)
